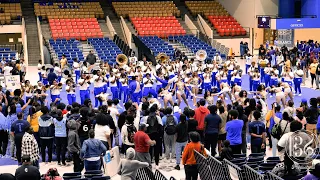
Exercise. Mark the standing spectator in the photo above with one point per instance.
(30, 147)
(128, 167)
(276, 116)
(200, 113)
(257, 131)
(142, 144)
(192, 123)
(182, 138)
(122, 117)
(85, 124)
(244, 118)
(212, 125)
(74, 146)
(33, 119)
(102, 131)
(154, 131)
(313, 71)
(311, 115)
(91, 151)
(17, 130)
(188, 159)
(91, 58)
(27, 170)
(3, 133)
(170, 122)
(60, 124)
(222, 131)
(127, 133)
(114, 113)
(234, 129)
(46, 133)
(262, 50)
(11, 118)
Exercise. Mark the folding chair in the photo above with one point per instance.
(159, 176)
(233, 170)
(203, 167)
(252, 174)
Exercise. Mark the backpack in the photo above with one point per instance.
(152, 121)
(52, 174)
(131, 132)
(276, 130)
(170, 127)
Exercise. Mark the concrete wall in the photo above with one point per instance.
(245, 11)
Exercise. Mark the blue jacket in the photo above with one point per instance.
(133, 86)
(3, 122)
(92, 148)
(10, 120)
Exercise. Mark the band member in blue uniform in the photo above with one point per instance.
(113, 85)
(84, 83)
(148, 82)
(55, 91)
(98, 84)
(71, 92)
(124, 82)
(135, 89)
(298, 74)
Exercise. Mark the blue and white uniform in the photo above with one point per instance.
(207, 81)
(84, 89)
(124, 88)
(113, 86)
(248, 63)
(76, 68)
(55, 93)
(71, 94)
(298, 74)
(267, 75)
(148, 87)
(262, 64)
(98, 84)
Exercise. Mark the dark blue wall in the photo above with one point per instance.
(286, 8)
(310, 7)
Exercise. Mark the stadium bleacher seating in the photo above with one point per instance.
(7, 54)
(11, 11)
(68, 10)
(157, 45)
(69, 48)
(106, 49)
(160, 26)
(222, 21)
(80, 29)
(195, 44)
(146, 9)
(226, 25)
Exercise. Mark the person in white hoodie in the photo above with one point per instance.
(128, 167)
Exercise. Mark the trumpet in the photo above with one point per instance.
(59, 85)
(88, 77)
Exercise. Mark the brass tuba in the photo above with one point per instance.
(162, 57)
(201, 55)
(122, 59)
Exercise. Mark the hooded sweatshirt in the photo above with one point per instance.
(60, 127)
(46, 128)
(73, 138)
(200, 113)
(128, 167)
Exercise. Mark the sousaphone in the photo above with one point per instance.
(122, 59)
(201, 55)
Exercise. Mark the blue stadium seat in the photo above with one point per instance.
(67, 47)
(157, 45)
(105, 48)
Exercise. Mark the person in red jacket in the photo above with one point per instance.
(200, 113)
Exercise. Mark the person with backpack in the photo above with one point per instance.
(277, 114)
(170, 122)
(74, 146)
(46, 133)
(154, 131)
(127, 133)
(182, 138)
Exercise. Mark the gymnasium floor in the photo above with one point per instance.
(9, 166)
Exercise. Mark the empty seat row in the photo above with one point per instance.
(206, 7)
(70, 10)
(226, 25)
(139, 9)
(79, 28)
(159, 26)
(106, 49)
(157, 45)
(66, 47)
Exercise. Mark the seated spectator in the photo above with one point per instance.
(128, 167)
(91, 151)
(226, 152)
(287, 168)
(27, 170)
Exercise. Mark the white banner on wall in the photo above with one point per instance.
(12, 82)
(286, 37)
